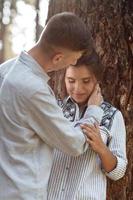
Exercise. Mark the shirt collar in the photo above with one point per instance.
(32, 64)
(69, 99)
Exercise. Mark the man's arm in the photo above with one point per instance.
(45, 117)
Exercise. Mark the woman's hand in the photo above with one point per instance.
(96, 96)
(94, 138)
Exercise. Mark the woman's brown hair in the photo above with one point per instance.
(93, 63)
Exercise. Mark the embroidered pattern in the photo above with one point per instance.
(109, 113)
(69, 110)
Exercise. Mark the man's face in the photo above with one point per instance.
(66, 58)
(80, 83)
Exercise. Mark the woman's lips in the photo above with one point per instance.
(79, 95)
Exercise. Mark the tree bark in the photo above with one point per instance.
(111, 25)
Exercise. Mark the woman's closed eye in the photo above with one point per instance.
(71, 80)
(87, 80)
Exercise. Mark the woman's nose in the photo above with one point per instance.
(78, 87)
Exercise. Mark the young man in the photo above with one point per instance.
(31, 123)
(84, 177)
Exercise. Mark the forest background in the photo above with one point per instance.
(111, 25)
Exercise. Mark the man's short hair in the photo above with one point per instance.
(68, 31)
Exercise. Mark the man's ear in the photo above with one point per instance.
(57, 58)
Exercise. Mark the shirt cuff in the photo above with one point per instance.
(119, 171)
(94, 114)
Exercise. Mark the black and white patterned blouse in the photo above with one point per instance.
(82, 178)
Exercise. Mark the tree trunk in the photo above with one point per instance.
(38, 26)
(2, 32)
(111, 25)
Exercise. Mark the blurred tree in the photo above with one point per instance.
(7, 9)
(37, 19)
(111, 25)
(8, 12)
(2, 31)
(36, 5)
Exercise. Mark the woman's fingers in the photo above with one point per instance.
(92, 132)
(92, 128)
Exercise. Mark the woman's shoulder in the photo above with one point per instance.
(110, 113)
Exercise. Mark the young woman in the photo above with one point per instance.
(84, 177)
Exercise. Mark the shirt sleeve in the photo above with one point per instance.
(117, 146)
(45, 117)
(4, 69)
(93, 114)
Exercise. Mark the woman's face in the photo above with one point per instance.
(80, 83)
